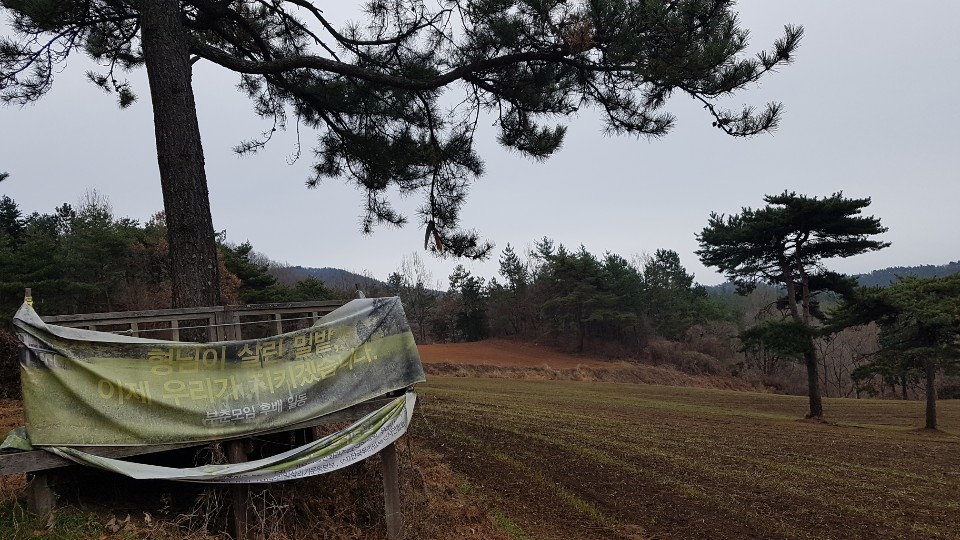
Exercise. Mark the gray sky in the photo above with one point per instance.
(870, 109)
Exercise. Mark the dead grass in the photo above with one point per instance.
(11, 416)
(667, 363)
(619, 372)
(345, 504)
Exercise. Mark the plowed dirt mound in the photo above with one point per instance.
(505, 359)
(506, 353)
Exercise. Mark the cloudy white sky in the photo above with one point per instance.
(871, 109)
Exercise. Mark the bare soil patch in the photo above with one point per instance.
(505, 359)
(503, 352)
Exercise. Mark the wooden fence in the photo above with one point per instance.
(221, 323)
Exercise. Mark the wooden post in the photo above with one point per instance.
(212, 328)
(41, 499)
(237, 327)
(174, 330)
(278, 320)
(220, 319)
(134, 329)
(391, 490)
(239, 493)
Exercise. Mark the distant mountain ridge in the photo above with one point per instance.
(887, 276)
(333, 278)
(337, 278)
(882, 277)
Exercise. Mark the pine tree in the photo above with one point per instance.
(374, 91)
(11, 218)
(671, 301)
(509, 303)
(469, 302)
(783, 244)
(919, 321)
(257, 285)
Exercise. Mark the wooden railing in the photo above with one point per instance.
(222, 323)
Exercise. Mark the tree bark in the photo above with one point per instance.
(580, 331)
(193, 250)
(813, 381)
(931, 372)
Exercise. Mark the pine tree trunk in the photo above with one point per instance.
(813, 382)
(580, 332)
(931, 372)
(193, 250)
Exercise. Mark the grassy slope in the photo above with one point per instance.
(592, 460)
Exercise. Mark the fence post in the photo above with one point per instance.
(212, 327)
(391, 490)
(41, 499)
(219, 319)
(237, 329)
(239, 493)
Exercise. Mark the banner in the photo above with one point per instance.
(87, 388)
(359, 441)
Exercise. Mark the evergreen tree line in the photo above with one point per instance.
(570, 298)
(82, 259)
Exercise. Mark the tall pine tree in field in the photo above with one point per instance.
(919, 320)
(784, 244)
(374, 91)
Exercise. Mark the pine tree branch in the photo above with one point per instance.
(399, 38)
(291, 63)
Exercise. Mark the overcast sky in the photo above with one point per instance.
(871, 109)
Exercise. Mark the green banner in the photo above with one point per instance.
(356, 442)
(86, 388)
